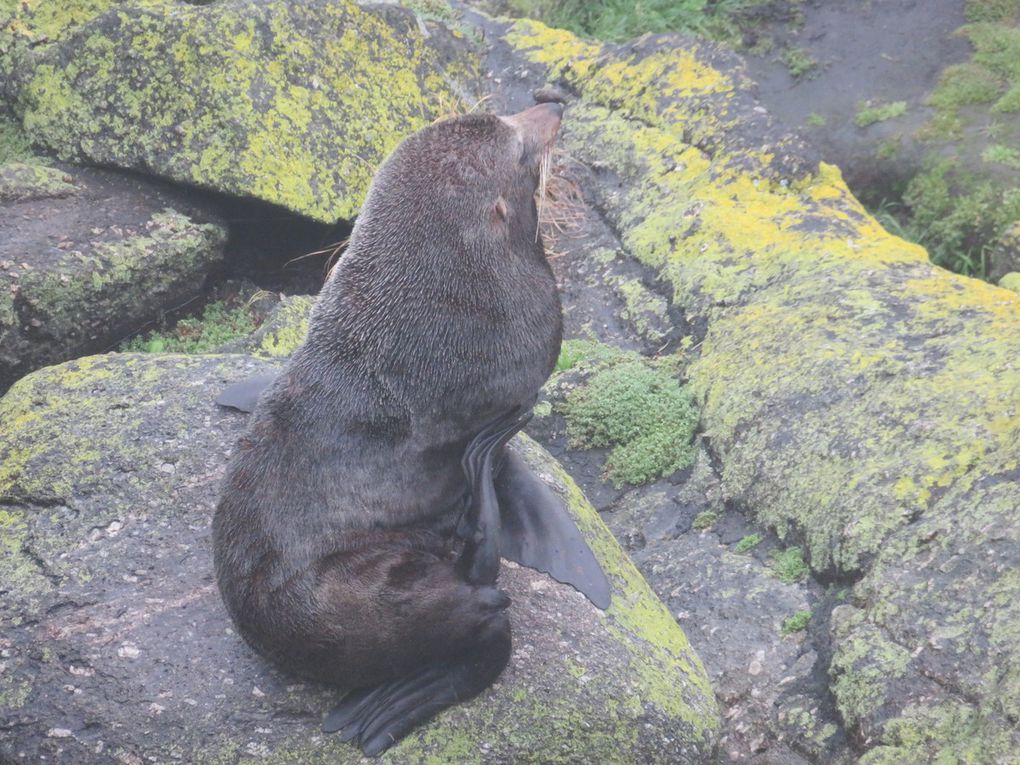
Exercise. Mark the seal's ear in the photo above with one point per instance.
(499, 210)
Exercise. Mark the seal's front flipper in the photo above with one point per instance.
(245, 394)
(537, 531)
(479, 560)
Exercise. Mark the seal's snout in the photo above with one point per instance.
(538, 125)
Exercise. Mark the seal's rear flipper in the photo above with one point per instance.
(245, 394)
(376, 718)
(537, 531)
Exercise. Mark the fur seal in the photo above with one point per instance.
(364, 510)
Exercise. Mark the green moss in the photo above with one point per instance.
(869, 113)
(815, 120)
(220, 322)
(747, 543)
(1010, 101)
(789, 565)
(705, 520)
(641, 412)
(796, 623)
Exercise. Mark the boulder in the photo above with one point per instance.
(292, 103)
(116, 646)
(859, 400)
(88, 256)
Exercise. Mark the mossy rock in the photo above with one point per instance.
(22, 181)
(88, 256)
(860, 400)
(281, 333)
(292, 103)
(116, 643)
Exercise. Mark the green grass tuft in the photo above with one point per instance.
(789, 565)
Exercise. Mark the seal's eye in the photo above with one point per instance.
(499, 211)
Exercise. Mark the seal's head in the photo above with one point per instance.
(466, 183)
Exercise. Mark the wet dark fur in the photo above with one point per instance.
(333, 535)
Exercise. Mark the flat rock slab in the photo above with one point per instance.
(87, 256)
(292, 103)
(116, 648)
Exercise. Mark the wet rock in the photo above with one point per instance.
(116, 644)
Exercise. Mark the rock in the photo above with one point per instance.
(292, 103)
(857, 398)
(89, 256)
(27, 181)
(116, 645)
(281, 333)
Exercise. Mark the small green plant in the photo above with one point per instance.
(789, 565)
(1002, 155)
(796, 623)
(869, 114)
(798, 61)
(220, 323)
(705, 520)
(637, 408)
(747, 543)
(816, 120)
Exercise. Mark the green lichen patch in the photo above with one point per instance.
(641, 412)
(250, 98)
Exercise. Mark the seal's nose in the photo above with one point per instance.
(538, 125)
